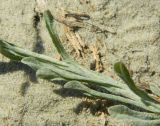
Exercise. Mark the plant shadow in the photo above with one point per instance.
(94, 105)
(38, 46)
(6, 67)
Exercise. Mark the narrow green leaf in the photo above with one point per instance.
(32, 62)
(16, 53)
(76, 85)
(55, 39)
(81, 87)
(123, 73)
(126, 115)
(155, 89)
(46, 73)
(6, 51)
(61, 71)
(10, 54)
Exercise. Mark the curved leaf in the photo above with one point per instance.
(46, 73)
(123, 73)
(32, 62)
(155, 89)
(55, 39)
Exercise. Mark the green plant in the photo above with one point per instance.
(80, 78)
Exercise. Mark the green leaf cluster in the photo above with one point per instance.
(80, 78)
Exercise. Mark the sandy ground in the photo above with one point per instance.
(133, 36)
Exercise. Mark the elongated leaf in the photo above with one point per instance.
(32, 62)
(58, 69)
(11, 55)
(7, 50)
(46, 73)
(55, 39)
(76, 85)
(79, 86)
(123, 73)
(155, 89)
(16, 53)
(124, 114)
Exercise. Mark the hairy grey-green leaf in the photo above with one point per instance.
(124, 114)
(155, 89)
(123, 73)
(46, 73)
(55, 39)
